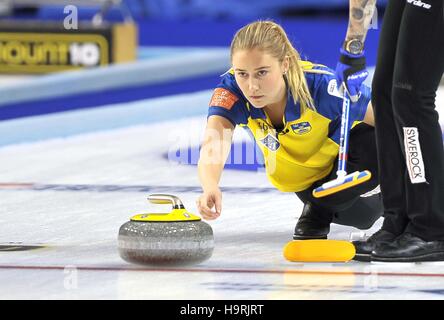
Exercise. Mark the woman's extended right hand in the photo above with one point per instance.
(207, 201)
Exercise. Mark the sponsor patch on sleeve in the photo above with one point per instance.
(223, 98)
(333, 89)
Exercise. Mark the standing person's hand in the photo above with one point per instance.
(351, 72)
(207, 201)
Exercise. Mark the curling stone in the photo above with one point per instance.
(175, 238)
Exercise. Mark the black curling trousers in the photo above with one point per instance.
(408, 135)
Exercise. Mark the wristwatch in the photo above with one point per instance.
(354, 46)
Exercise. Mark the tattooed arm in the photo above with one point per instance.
(351, 69)
(361, 13)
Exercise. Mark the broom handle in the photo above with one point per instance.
(343, 140)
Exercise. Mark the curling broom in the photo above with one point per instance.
(319, 250)
(343, 180)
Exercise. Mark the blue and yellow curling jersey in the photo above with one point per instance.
(305, 150)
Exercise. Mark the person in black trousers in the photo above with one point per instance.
(409, 140)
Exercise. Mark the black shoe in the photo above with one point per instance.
(314, 223)
(364, 248)
(409, 248)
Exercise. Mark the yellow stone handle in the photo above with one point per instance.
(166, 199)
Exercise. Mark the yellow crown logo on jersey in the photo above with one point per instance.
(301, 128)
